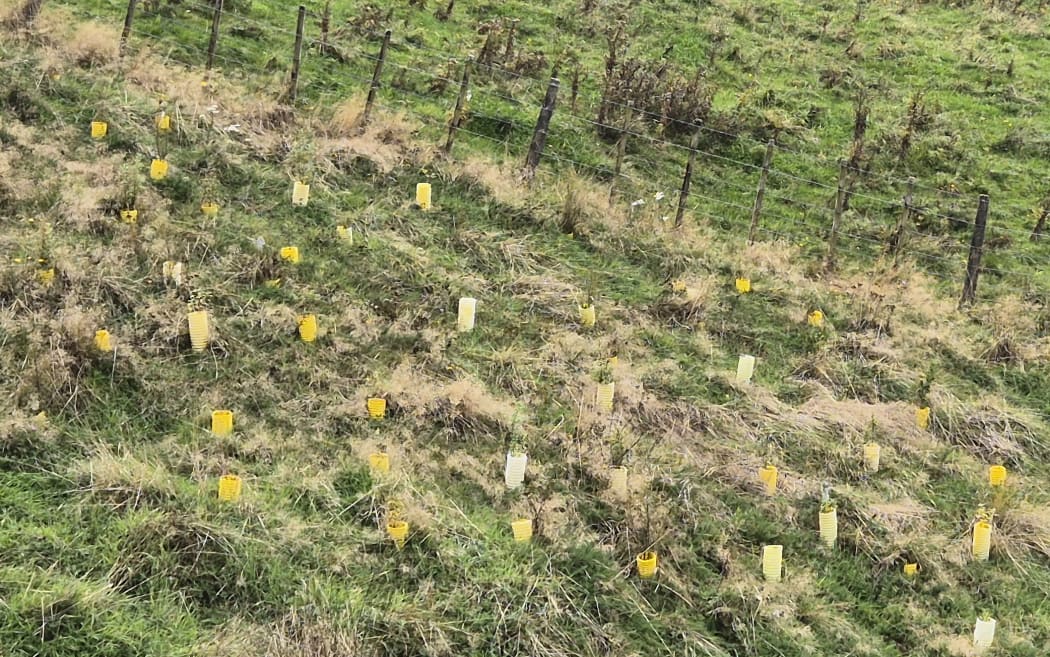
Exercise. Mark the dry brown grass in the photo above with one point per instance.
(346, 117)
(302, 632)
(93, 44)
(122, 480)
(388, 141)
(989, 428)
(499, 179)
(1024, 529)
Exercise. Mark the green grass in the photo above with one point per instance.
(113, 542)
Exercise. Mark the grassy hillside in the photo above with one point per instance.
(113, 540)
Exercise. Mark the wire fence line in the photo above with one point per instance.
(788, 201)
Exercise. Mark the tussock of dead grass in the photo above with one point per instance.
(22, 435)
(93, 44)
(693, 306)
(464, 408)
(346, 117)
(305, 632)
(988, 428)
(387, 141)
(500, 180)
(82, 43)
(123, 481)
(903, 516)
(894, 419)
(1026, 528)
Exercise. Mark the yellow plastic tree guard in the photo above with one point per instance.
(300, 193)
(379, 462)
(290, 254)
(911, 569)
(646, 563)
(772, 562)
(172, 271)
(816, 318)
(376, 407)
(158, 169)
(467, 308)
(996, 475)
(982, 540)
(423, 196)
(618, 481)
(229, 488)
(308, 328)
(606, 392)
(829, 527)
(514, 472)
(163, 122)
(129, 216)
(198, 321)
(872, 456)
(222, 422)
(397, 530)
(922, 417)
(102, 341)
(210, 208)
(99, 129)
(983, 633)
(743, 285)
(767, 474)
(344, 233)
(745, 368)
(522, 530)
(587, 316)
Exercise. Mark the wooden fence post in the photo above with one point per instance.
(297, 54)
(1040, 224)
(539, 134)
(24, 17)
(129, 17)
(687, 179)
(446, 13)
(457, 113)
(900, 232)
(213, 42)
(326, 26)
(760, 195)
(621, 148)
(836, 219)
(973, 263)
(373, 88)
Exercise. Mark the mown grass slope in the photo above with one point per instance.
(113, 541)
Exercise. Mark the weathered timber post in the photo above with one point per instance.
(297, 55)
(129, 18)
(213, 42)
(539, 134)
(457, 113)
(760, 195)
(687, 179)
(836, 219)
(973, 263)
(373, 88)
